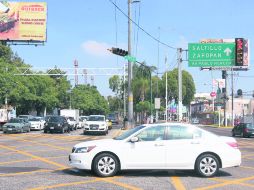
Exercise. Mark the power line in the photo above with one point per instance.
(147, 33)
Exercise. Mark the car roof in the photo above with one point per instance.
(169, 124)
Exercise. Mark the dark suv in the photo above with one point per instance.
(56, 124)
(243, 129)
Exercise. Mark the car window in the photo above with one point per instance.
(183, 132)
(152, 134)
(249, 125)
(129, 133)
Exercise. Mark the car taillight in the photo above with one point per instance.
(233, 144)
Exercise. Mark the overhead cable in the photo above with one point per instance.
(147, 33)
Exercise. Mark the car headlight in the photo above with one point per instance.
(102, 125)
(59, 125)
(84, 149)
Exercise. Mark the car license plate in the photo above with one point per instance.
(51, 127)
(9, 129)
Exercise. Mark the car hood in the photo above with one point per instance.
(12, 124)
(96, 122)
(98, 143)
(34, 122)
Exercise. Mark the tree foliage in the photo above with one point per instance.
(37, 93)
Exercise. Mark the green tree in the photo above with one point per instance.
(88, 99)
(188, 89)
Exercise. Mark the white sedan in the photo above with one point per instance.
(158, 146)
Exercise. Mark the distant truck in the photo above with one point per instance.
(72, 116)
(3, 116)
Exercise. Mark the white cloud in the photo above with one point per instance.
(96, 48)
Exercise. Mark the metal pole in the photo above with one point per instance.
(225, 101)
(130, 94)
(232, 103)
(151, 94)
(180, 94)
(166, 96)
(124, 93)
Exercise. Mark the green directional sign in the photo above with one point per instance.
(211, 54)
(130, 58)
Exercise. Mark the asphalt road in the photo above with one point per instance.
(40, 161)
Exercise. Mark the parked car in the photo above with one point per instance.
(72, 123)
(109, 123)
(56, 124)
(37, 123)
(195, 121)
(25, 116)
(16, 125)
(113, 119)
(158, 146)
(82, 121)
(96, 124)
(243, 129)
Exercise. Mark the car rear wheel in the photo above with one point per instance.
(207, 165)
(105, 165)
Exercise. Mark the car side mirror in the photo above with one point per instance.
(134, 139)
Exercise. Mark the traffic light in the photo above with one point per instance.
(239, 42)
(239, 92)
(118, 51)
(224, 76)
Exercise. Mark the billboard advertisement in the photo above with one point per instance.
(23, 21)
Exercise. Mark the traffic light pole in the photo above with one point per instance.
(130, 94)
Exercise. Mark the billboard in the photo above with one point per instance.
(23, 21)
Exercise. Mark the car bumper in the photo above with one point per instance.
(233, 159)
(35, 127)
(12, 130)
(102, 130)
(55, 128)
(80, 161)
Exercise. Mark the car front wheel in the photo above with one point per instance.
(105, 165)
(207, 165)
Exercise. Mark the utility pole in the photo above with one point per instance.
(232, 103)
(130, 94)
(224, 90)
(124, 93)
(166, 94)
(180, 94)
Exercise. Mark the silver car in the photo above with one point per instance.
(16, 125)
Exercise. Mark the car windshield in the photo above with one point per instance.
(55, 119)
(71, 118)
(129, 133)
(15, 120)
(96, 118)
(34, 119)
(249, 125)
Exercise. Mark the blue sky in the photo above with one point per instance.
(84, 29)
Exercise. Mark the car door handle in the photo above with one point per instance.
(159, 145)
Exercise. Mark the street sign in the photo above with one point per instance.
(130, 58)
(213, 94)
(211, 54)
